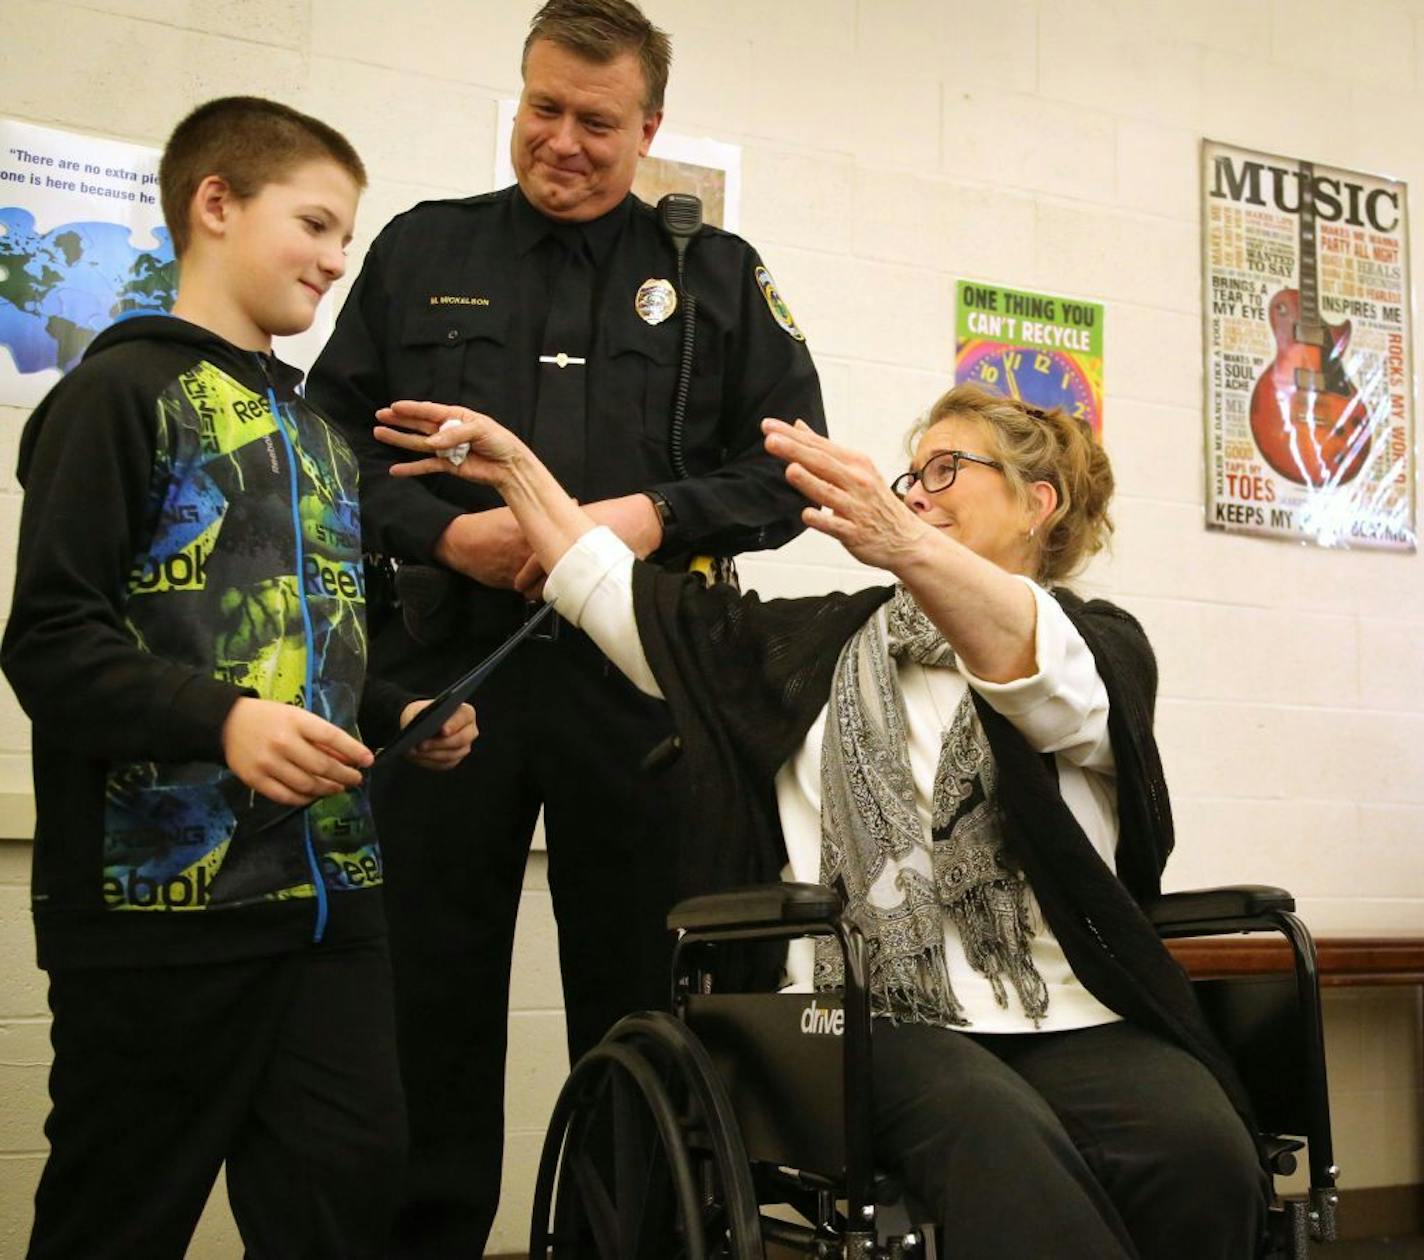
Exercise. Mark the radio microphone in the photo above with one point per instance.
(681, 217)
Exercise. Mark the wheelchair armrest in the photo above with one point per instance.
(763, 905)
(1237, 908)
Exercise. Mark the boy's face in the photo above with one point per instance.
(287, 246)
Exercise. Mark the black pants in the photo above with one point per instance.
(1099, 1144)
(560, 727)
(283, 1067)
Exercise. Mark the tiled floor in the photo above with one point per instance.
(1375, 1249)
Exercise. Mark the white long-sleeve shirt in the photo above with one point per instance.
(1061, 708)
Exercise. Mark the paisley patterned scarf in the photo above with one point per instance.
(899, 882)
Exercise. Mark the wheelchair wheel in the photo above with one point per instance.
(643, 1157)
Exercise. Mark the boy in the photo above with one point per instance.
(188, 638)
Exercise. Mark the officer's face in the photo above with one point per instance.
(579, 132)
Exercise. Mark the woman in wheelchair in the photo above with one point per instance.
(968, 755)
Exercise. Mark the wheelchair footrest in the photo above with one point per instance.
(1280, 1153)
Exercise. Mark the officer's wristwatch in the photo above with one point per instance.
(666, 516)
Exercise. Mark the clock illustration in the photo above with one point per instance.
(1041, 378)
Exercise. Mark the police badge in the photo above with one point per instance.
(655, 301)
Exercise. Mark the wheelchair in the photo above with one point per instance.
(674, 1134)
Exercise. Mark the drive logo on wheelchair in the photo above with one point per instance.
(822, 1021)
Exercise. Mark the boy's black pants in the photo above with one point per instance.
(284, 1067)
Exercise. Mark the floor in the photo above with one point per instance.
(1374, 1249)
(1371, 1249)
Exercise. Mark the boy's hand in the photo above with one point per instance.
(447, 749)
(289, 755)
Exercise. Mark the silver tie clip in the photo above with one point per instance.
(561, 359)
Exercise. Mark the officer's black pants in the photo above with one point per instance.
(1099, 1144)
(283, 1067)
(561, 727)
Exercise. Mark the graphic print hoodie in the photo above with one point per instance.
(183, 545)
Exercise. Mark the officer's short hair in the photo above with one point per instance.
(601, 30)
(249, 142)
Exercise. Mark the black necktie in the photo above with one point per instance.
(561, 409)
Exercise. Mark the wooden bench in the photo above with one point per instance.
(1343, 959)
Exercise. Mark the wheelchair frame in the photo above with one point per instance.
(668, 1073)
(1257, 908)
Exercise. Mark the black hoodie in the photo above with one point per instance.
(190, 535)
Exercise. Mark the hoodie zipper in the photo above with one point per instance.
(309, 636)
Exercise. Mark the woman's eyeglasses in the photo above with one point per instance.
(939, 472)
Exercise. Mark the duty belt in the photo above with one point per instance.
(496, 613)
(439, 606)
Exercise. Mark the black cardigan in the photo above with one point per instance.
(746, 678)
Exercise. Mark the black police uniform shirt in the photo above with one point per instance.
(450, 307)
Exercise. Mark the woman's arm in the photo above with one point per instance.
(1062, 707)
(592, 588)
(590, 569)
(987, 615)
(552, 522)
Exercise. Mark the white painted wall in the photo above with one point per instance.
(891, 146)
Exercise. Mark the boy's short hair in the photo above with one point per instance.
(249, 142)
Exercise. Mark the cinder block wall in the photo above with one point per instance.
(890, 146)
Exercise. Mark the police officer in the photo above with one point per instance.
(554, 307)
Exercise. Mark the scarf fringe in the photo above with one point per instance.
(993, 923)
(917, 990)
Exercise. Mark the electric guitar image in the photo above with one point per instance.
(1307, 417)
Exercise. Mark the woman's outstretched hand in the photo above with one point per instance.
(853, 503)
(548, 519)
(420, 427)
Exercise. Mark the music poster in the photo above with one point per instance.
(1308, 334)
(1042, 349)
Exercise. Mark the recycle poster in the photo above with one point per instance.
(1040, 348)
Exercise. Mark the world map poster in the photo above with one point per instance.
(82, 243)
